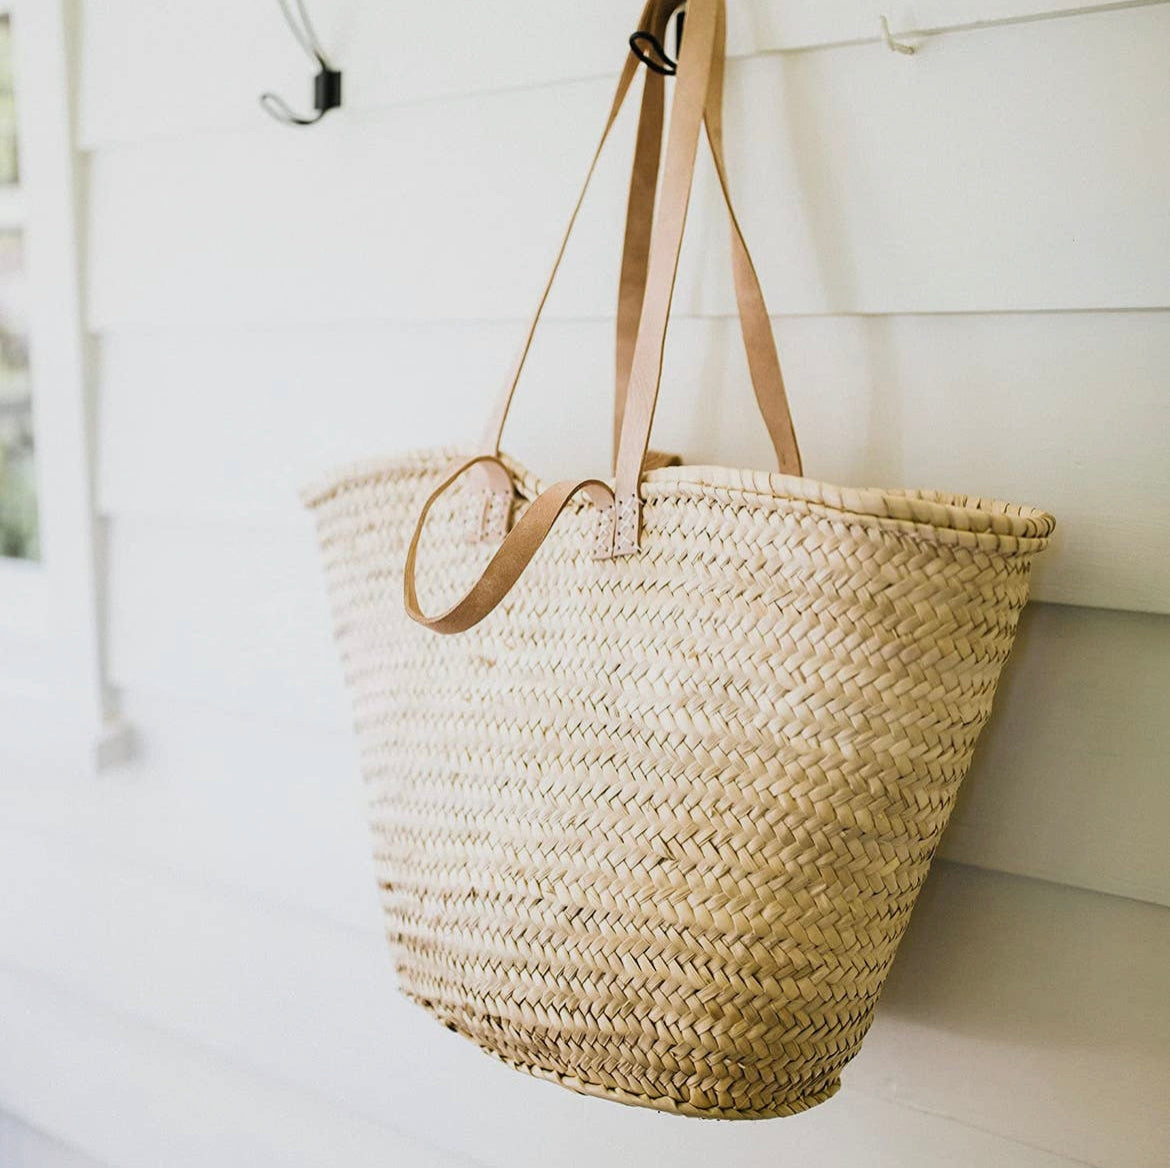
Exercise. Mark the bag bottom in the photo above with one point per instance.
(665, 1103)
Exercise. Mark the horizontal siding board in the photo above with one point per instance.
(248, 1119)
(24, 1147)
(989, 175)
(399, 53)
(135, 1097)
(1062, 786)
(236, 615)
(1007, 406)
(190, 798)
(1035, 980)
(1069, 781)
(786, 25)
(313, 1006)
(39, 729)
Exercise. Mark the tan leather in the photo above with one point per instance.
(755, 323)
(696, 73)
(490, 442)
(759, 341)
(639, 225)
(648, 277)
(498, 489)
(763, 361)
(512, 556)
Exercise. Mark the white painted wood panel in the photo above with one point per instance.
(991, 989)
(1071, 780)
(24, 1147)
(234, 616)
(1040, 984)
(38, 725)
(189, 801)
(34, 731)
(1015, 169)
(397, 53)
(1068, 412)
(59, 597)
(261, 1122)
(138, 1098)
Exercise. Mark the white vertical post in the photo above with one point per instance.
(52, 183)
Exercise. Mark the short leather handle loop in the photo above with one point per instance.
(648, 287)
(511, 558)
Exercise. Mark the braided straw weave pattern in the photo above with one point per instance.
(654, 828)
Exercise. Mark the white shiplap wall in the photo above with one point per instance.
(23, 1147)
(966, 254)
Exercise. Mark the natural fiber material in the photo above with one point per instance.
(655, 826)
(652, 812)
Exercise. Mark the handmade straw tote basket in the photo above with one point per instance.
(657, 763)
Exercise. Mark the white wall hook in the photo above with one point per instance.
(893, 45)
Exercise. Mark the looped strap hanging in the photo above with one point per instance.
(661, 61)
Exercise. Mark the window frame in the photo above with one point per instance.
(54, 704)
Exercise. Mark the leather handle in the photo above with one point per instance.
(644, 175)
(512, 556)
(697, 72)
(490, 442)
(498, 493)
(755, 323)
(756, 326)
(697, 101)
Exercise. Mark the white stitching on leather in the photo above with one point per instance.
(489, 515)
(603, 534)
(626, 539)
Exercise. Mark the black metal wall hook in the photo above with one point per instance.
(661, 61)
(326, 84)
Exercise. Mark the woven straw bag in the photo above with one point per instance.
(652, 824)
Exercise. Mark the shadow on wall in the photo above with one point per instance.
(1060, 967)
(1041, 1007)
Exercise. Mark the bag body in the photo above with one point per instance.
(652, 821)
(654, 827)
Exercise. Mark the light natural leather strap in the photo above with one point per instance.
(701, 45)
(491, 522)
(490, 442)
(763, 361)
(639, 221)
(700, 70)
(759, 342)
(511, 557)
(758, 338)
